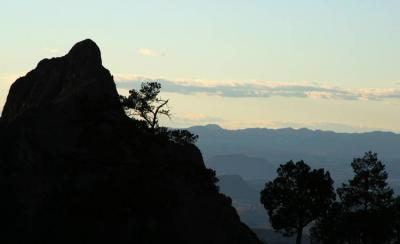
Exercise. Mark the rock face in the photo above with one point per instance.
(71, 84)
(75, 169)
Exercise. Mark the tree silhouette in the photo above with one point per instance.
(296, 197)
(182, 137)
(331, 228)
(146, 104)
(367, 201)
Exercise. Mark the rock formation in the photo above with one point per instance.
(75, 169)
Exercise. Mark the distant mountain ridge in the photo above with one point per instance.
(331, 150)
(240, 164)
(245, 159)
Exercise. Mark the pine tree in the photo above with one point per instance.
(367, 201)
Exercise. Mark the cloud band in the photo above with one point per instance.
(262, 89)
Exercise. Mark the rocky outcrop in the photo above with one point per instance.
(71, 84)
(75, 169)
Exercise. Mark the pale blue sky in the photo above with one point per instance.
(314, 54)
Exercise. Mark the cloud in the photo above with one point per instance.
(51, 50)
(197, 118)
(325, 126)
(188, 120)
(330, 126)
(184, 120)
(149, 52)
(262, 89)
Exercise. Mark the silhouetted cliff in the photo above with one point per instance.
(75, 169)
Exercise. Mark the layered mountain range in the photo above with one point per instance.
(256, 153)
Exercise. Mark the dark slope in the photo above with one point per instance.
(75, 169)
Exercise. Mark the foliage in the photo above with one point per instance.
(146, 104)
(368, 189)
(296, 197)
(367, 200)
(366, 207)
(330, 227)
(182, 137)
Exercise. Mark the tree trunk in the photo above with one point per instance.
(299, 235)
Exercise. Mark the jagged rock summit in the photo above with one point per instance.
(85, 53)
(75, 169)
(72, 83)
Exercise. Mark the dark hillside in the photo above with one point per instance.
(75, 169)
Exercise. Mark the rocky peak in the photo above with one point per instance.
(75, 169)
(74, 83)
(85, 53)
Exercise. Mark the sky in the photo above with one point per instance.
(319, 64)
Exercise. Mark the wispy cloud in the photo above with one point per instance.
(263, 89)
(332, 126)
(187, 120)
(150, 52)
(194, 118)
(51, 50)
(326, 126)
(184, 120)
